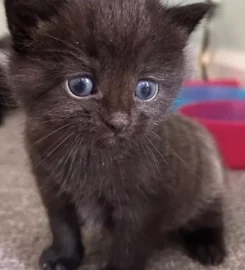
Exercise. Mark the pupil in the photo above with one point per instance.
(146, 90)
(80, 86)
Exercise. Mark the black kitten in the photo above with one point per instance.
(96, 79)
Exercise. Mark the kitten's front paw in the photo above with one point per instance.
(206, 246)
(109, 268)
(208, 254)
(49, 266)
(51, 260)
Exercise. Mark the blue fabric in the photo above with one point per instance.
(192, 94)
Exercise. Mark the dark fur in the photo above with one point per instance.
(161, 173)
(7, 101)
(2, 96)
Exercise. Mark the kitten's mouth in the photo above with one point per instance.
(110, 139)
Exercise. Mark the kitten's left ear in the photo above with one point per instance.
(23, 17)
(189, 16)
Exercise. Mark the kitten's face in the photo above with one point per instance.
(106, 70)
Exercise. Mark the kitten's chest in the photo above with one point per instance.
(114, 177)
(108, 175)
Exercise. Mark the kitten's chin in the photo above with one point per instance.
(107, 143)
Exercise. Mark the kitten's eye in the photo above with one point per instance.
(80, 87)
(146, 90)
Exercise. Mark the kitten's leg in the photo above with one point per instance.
(66, 251)
(203, 237)
(133, 242)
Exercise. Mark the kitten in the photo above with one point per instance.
(96, 79)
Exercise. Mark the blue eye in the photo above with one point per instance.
(80, 87)
(146, 90)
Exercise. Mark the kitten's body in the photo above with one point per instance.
(131, 164)
(194, 158)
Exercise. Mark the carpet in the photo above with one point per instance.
(24, 229)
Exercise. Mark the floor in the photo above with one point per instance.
(23, 224)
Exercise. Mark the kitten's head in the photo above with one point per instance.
(107, 70)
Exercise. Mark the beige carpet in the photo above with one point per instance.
(23, 225)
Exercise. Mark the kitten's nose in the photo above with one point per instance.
(118, 121)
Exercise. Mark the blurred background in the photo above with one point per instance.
(225, 56)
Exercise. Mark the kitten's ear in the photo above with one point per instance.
(189, 16)
(24, 15)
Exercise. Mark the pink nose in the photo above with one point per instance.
(118, 121)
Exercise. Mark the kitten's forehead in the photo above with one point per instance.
(112, 16)
(127, 32)
(106, 23)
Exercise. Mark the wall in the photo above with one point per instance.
(229, 24)
(228, 41)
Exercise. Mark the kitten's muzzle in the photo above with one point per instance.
(117, 122)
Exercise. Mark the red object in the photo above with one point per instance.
(229, 83)
(226, 122)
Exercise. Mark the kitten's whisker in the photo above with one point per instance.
(143, 145)
(50, 134)
(75, 143)
(178, 156)
(156, 136)
(72, 155)
(154, 157)
(71, 175)
(49, 149)
(151, 151)
(26, 45)
(182, 160)
(145, 152)
(53, 148)
(63, 42)
(160, 154)
(60, 162)
(59, 145)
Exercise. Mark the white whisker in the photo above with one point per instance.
(50, 134)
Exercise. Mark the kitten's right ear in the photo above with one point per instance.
(189, 16)
(24, 15)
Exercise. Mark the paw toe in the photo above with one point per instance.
(50, 260)
(52, 266)
(210, 255)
